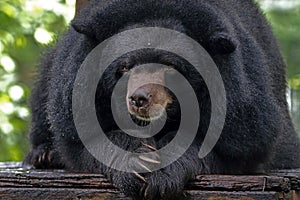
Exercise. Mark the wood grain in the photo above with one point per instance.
(19, 183)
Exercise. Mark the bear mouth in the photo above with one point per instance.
(148, 118)
(153, 113)
(142, 120)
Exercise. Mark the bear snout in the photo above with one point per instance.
(148, 102)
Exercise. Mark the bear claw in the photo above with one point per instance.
(149, 147)
(140, 176)
(150, 160)
(144, 167)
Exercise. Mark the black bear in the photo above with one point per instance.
(258, 134)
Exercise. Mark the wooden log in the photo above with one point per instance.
(240, 183)
(223, 195)
(19, 183)
(292, 174)
(63, 179)
(59, 193)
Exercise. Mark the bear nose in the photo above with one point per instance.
(140, 98)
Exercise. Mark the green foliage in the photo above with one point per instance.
(286, 25)
(25, 29)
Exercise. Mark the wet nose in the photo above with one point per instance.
(140, 98)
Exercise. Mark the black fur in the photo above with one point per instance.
(258, 133)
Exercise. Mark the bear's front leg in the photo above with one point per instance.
(168, 182)
(131, 183)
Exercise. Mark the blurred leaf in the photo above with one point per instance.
(286, 25)
(295, 82)
(19, 21)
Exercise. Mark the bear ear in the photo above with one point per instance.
(83, 12)
(221, 43)
(80, 4)
(80, 25)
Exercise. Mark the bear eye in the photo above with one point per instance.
(123, 69)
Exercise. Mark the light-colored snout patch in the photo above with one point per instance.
(154, 94)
